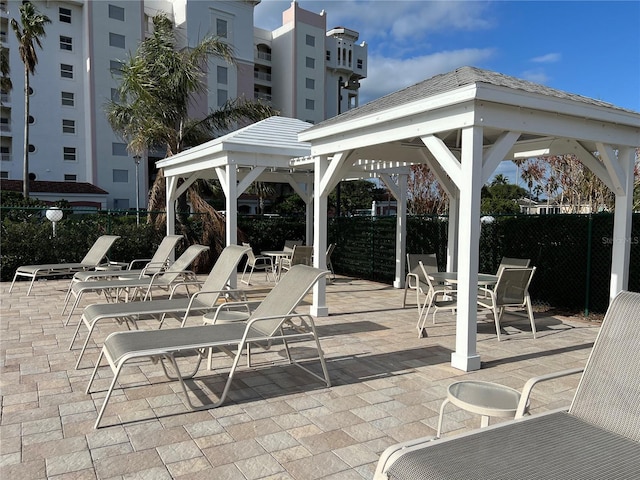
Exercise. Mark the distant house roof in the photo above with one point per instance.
(41, 186)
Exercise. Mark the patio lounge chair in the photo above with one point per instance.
(597, 438)
(151, 265)
(164, 279)
(91, 260)
(270, 322)
(181, 308)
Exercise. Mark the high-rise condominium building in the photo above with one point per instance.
(303, 69)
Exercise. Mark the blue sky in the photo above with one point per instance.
(590, 48)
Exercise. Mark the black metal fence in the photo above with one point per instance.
(572, 253)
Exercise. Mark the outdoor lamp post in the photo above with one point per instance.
(136, 158)
(54, 214)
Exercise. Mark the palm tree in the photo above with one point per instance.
(28, 32)
(157, 84)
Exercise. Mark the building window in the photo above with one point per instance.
(328, 56)
(4, 174)
(115, 66)
(222, 75)
(117, 13)
(311, 83)
(64, 15)
(68, 126)
(119, 149)
(311, 62)
(121, 203)
(5, 126)
(311, 40)
(70, 177)
(310, 104)
(68, 99)
(222, 28)
(116, 40)
(120, 176)
(69, 154)
(115, 96)
(66, 71)
(223, 96)
(5, 151)
(359, 64)
(66, 43)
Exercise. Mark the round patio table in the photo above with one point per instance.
(484, 398)
(277, 256)
(484, 279)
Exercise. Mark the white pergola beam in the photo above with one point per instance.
(497, 153)
(447, 160)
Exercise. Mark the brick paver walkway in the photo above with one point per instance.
(278, 422)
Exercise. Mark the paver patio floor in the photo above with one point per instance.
(279, 422)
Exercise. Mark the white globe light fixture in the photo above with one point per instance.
(54, 214)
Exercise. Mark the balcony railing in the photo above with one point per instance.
(264, 56)
(262, 76)
(262, 96)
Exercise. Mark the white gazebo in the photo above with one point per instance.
(463, 124)
(259, 152)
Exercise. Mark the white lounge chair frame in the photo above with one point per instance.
(598, 437)
(163, 279)
(152, 265)
(91, 260)
(202, 301)
(270, 322)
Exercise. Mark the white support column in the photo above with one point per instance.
(170, 194)
(452, 234)
(308, 207)
(401, 230)
(231, 206)
(320, 200)
(465, 357)
(622, 226)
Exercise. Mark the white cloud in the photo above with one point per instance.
(386, 75)
(548, 58)
(536, 76)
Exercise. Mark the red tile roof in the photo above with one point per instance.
(40, 186)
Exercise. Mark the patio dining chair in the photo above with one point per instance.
(509, 262)
(415, 278)
(511, 290)
(272, 322)
(596, 438)
(91, 260)
(300, 255)
(257, 262)
(438, 297)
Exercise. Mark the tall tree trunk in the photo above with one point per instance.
(25, 171)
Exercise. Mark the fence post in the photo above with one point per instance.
(587, 286)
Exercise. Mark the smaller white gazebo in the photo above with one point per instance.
(259, 152)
